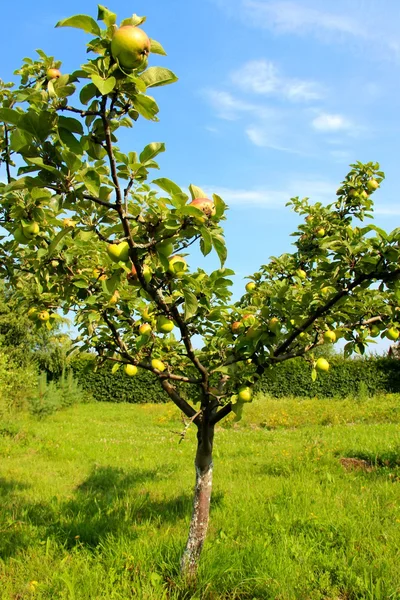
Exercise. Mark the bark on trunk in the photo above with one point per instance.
(201, 502)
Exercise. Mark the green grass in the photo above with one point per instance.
(95, 503)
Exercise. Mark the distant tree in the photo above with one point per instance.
(87, 234)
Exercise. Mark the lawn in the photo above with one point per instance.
(95, 503)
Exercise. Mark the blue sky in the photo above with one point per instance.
(275, 98)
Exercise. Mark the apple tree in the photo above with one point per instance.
(87, 230)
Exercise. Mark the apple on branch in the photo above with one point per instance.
(130, 46)
(118, 252)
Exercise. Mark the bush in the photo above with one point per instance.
(51, 396)
(17, 384)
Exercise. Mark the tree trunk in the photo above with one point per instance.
(201, 501)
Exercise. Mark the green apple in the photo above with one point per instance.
(165, 248)
(330, 336)
(164, 325)
(30, 230)
(20, 237)
(392, 334)
(44, 315)
(250, 286)
(274, 325)
(130, 46)
(145, 329)
(374, 331)
(158, 364)
(206, 206)
(177, 265)
(237, 327)
(130, 370)
(301, 273)
(322, 364)
(32, 313)
(118, 252)
(320, 232)
(53, 74)
(372, 185)
(245, 393)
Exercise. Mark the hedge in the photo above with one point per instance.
(351, 377)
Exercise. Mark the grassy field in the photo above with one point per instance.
(95, 503)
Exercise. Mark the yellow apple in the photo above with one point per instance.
(392, 334)
(322, 364)
(44, 315)
(145, 329)
(250, 286)
(164, 325)
(158, 364)
(131, 370)
(330, 336)
(245, 393)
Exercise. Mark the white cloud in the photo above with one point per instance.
(228, 106)
(263, 197)
(291, 17)
(263, 77)
(326, 122)
(357, 24)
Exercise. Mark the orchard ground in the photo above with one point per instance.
(95, 503)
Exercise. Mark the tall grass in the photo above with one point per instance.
(95, 503)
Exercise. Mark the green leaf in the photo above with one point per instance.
(70, 141)
(19, 139)
(169, 186)
(92, 181)
(196, 192)
(151, 150)
(313, 374)
(115, 368)
(158, 76)
(55, 243)
(10, 116)
(39, 125)
(70, 124)
(156, 48)
(220, 206)
(206, 241)
(146, 106)
(134, 20)
(39, 163)
(105, 86)
(80, 283)
(191, 304)
(220, 248)
(87, 93)
(81, 22)
(105, 15)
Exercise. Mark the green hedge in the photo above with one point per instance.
(106, 387)
(292, 378)
(345, 378)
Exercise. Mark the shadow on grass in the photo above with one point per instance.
(109, 502)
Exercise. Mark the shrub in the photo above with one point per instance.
(51, 396)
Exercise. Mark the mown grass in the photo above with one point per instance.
(95, 503)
